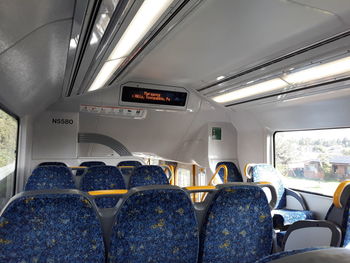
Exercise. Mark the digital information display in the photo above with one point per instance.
(154, 96)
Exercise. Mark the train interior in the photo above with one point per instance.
(237, 103)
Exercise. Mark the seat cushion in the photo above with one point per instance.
(283, 217)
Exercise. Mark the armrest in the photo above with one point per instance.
(312, 233)
(298, 197)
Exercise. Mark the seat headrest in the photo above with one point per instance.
(248, 169)
(341, 194)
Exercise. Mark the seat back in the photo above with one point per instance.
(52, 164)
(51, 226)
(267, 173)
(155, 224)
(102, 178)
(148, 175)
(50, 177)
(127, 167)
(339, 212)
(89, 164)
(234, 175)
(237, 226)
(129, 163)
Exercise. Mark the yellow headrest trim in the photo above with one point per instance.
(246, 168)
(338, 192)
(264, 183)
(204, 188)
(129, 166)
(108, 192)
(78, 167)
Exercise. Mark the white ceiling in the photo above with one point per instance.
(224, 36)
(220, 37)
(34, 39)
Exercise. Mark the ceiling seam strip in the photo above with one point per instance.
(99, 54)
(34, 30)
(84, 45)
(274, 61)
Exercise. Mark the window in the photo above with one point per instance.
(8, 147)
(183, 177)
(313, 160)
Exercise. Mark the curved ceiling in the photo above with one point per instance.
(34, 39)
(223, 37)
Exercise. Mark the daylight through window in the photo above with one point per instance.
(8, 146)
(314, 160)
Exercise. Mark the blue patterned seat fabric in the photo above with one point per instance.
(155, 225)
(88, 164)
(234, 175)
(288, 216)
(50, 177)
(285, 254)
(346, 240)
(343, 222)
(127, 171)
(51, 228)
(52, 164)
(237, 227)
(148, 175)
(103, 178)
(267, 173)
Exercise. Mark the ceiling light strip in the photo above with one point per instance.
(289, 91)
(149, 40)
(262, 87)
(277, 60)
(303, 76)
(146, 17)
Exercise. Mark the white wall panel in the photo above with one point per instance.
(55, 135)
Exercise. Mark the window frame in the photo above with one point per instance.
(16, 117)
(312, 129)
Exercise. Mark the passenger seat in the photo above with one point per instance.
(50, 177)
(103, 178)
(148, 175)
(237, 227)
(234, 175)
(52, 164)
(51, 226)
(155, 224)
(127, 167)
(333, 231)
(282, 216)
(88, 164)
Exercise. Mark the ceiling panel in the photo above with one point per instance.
(224, 36)
(32, 71)
(18, 18)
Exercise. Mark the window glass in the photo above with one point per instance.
(313, 160)
(183, 177)
(8, 147)
(202, 180)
